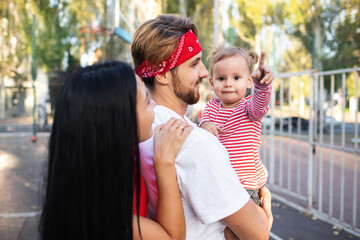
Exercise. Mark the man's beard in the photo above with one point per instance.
(188, 95)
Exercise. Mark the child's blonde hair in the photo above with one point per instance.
(222, 52)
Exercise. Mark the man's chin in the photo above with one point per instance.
(194, 100)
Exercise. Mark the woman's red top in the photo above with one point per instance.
(144, 199)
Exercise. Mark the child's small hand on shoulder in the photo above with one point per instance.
(212, 128)
(263, 74)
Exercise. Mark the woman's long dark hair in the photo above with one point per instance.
(93, 144)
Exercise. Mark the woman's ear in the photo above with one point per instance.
(211, 83)
(163, 78)
(250, 82)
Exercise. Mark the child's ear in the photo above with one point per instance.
(250, 82)
(211, 83)
(163, 78)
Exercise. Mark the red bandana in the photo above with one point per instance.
(187, 47)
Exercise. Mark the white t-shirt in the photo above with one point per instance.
(209, 187)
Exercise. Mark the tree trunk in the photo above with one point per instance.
(182, 7)
(317, 40)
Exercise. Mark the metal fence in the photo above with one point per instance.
(310, 144)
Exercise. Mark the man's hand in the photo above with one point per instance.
(265, 198)
(263, 74)
(212, 128)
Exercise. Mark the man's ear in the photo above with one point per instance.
(250, 82)
(211, 83)
(163, 78)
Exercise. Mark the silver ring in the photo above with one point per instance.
(181, 127)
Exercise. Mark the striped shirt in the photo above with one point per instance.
(241, 133)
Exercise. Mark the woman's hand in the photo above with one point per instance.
(169, 138)
(265, 198)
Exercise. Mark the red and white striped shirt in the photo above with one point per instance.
(241, 133)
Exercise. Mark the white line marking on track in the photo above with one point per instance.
(24, 134)
(274, 236)
(20, 215)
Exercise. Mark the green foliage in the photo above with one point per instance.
(323, 34)
(50, 47)
(329, 32)
(15, 36)
(170, 6)
(200, 12)
(59, 30)
(58, 34)
(340, 29)
(346, 40)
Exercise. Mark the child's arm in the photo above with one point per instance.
(205, 117)
(207, 124)
(212, 128)
(258, 104)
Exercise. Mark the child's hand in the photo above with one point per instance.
(212, 128)
(230, 235)
(263, 74)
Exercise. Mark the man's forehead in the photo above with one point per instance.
(194, 58)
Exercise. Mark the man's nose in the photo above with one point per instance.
(203, 72)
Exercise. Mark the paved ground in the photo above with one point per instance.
(291, 224)
(21, 168)
(21, 163)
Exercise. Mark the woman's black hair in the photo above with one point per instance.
(93, 159)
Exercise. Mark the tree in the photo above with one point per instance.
(327, 29)
(343, 49)
(60, 30)
(15, 26)
(201, 13)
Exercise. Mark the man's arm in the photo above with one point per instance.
(250, 222)
(203, 168)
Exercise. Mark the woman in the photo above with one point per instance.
(102, 113)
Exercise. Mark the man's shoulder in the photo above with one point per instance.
(199, 138)
(199, 135)
(163, 114)
(201, 142)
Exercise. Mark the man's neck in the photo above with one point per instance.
(165, 97)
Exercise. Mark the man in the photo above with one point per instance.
(167, 56)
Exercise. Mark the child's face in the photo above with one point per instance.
(230, 80)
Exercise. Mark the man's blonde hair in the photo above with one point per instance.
(222, 52)
(156, 39)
